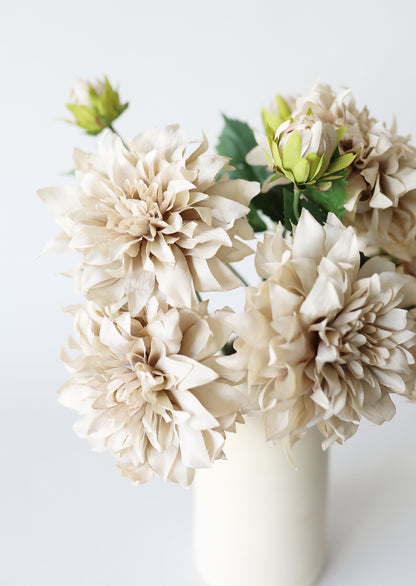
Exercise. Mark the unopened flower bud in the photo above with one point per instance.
(305, 150)
(95, 104)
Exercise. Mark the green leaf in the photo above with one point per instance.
(236, 141)
(319, 214)
(271, 203)
(255, 221)
(340, 163)
(333, 199)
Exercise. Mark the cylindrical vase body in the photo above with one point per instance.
(258, 520)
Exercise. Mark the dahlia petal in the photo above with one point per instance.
(60, 200)
(112, 338)
(175, 281)
(200, 417)
(78, 397)
(193, 449)
(58, 245)
(236, 190)
(212, 275)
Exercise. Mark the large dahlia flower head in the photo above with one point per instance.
(153, 226)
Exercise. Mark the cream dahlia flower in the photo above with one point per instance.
(325, 342)
(381, 184)
(393, 229)
(151, 389)
(152, 215)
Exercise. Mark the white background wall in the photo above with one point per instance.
(66, 516)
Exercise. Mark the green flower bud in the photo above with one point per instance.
(305, 151)
(272, 119)
(95, 104)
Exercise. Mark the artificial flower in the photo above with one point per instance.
(303, 150)
(152, 215)
(150, 388)
(391, 230)
(324, 341)
(382, 178)
(95, 104)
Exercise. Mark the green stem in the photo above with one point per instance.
(296, 198)
(237, 274)
(114, 131)
(198, 296)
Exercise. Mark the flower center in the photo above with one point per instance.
(138, 215)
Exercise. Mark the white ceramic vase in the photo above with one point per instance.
(258, 521)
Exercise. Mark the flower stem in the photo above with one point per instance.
(296, 198)
(198, 296)
(114, 131)
(237, 274)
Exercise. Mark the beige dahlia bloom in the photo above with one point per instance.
(326, 342)
(151, 389)
(152, 215)
(393, 229)
(382, 180)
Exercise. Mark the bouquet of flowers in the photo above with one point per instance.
(324, 198)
